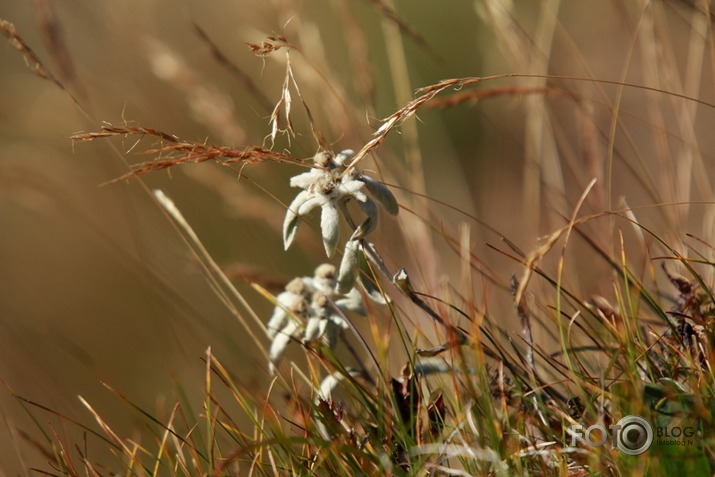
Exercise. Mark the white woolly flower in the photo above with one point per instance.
(323, 279)
(304, 312)
(285, 301)
(324, 322)
(329, 186)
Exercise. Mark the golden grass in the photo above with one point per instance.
(602, 179)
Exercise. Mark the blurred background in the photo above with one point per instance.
(97, 285)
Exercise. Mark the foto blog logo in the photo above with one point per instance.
(632, 435)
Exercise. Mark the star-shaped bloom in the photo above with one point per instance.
(323, 323)
(329, 185)
(304, 309)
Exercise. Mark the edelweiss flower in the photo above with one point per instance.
(286, 300)
(323, 322)
(329, 186)
(303, 309)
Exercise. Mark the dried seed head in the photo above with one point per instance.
(402, 280)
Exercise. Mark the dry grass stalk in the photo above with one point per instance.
(407, 111)
(32, 61)
(178, 151)
(56, 45)
(475, 96)
(272, 44)
(283, 108)
(429, 92)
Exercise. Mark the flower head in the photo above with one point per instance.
(329, 186)
(307, 311)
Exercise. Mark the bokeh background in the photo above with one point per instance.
(98, 286)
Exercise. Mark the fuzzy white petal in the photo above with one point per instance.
(292, 218)
(310, 204)
(280, 343)
(352, 302)
(339, 322)
(329, 383)
(373, 293)
(286, 299)
(324, 285)
(352, 187)
(306, 179)
(365, 278)
(312, 329)
(348, 268)
(330, 227)
(276, 322)
(369, 224)
(309, 285)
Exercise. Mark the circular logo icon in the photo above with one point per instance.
(635, 435)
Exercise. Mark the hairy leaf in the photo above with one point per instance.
(381, 193)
